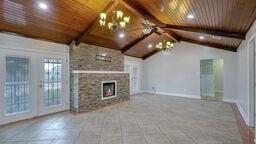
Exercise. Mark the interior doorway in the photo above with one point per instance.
(211, 79)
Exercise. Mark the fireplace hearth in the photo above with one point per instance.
(108, 89)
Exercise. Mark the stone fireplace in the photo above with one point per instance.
(96, 83)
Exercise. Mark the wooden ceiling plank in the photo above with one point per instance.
(150, 54)
(142, 12)
(92, 25)
(222, 47)
(207, 31)
(132, 44)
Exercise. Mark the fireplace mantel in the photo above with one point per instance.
(99, 72)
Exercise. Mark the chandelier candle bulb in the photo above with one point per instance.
(122, 24)
(103, 16)
(126, 19)
(119, 14)
(110, 25)
(102, 23)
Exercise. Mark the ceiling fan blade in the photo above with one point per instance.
(155, 30)
(160, 25)
(145, 25)
(142, 35)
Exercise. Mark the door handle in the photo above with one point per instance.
(40, 85)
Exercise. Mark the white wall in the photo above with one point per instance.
(179, 72)
(243, 74)
(135, 61)
(12, 42)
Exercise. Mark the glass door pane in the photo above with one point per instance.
(127, 68)
(52, 82)
(135, 78)
(17, 83)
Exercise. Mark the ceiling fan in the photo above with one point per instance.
(148, 27)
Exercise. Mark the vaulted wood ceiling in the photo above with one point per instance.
(223, 23)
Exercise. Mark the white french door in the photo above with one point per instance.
(32, 85)
(52, 84)
(135, 78)
(17, 99)
(133, 70)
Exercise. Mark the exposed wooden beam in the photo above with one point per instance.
(132, 44)
(92, 25)
(222, 47)
(138, 9)
(207, 31)
(172, 34)
(132, 56)
(150, 54)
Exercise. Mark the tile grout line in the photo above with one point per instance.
(120, 124)
(101, 128)
(141, 131)
(27, 127)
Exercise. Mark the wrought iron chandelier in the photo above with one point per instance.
(117, 19)
(165, 45)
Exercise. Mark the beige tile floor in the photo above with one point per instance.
(145, 119)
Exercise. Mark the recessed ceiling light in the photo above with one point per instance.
(150, 46)
(43, 6)
(190, 16)
(201, 37)
(104, 54)
(121, 35)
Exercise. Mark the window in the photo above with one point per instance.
(52, 82)
(16, 95)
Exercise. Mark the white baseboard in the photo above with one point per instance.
(175, 94)
(136, 92)
(208, 94)
(241, 110)
(229, 100)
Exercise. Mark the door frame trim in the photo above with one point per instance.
(251, 81)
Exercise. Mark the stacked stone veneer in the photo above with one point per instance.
(86, 87)
(82, 57)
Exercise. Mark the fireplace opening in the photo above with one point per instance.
(108, 89)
